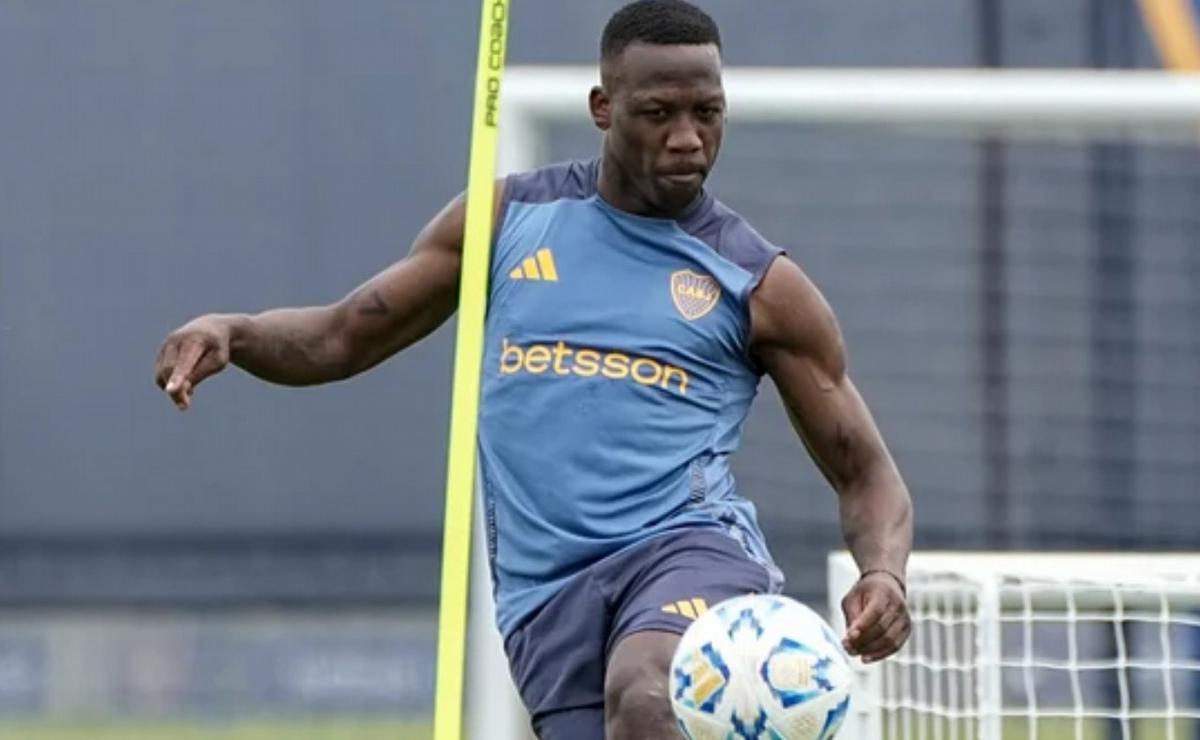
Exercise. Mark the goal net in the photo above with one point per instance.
(1078, 647)
(1013, 259)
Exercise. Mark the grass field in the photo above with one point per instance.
(1046, 729)
(322, 729)
(1052, 729)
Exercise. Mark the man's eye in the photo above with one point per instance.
(655, 113)
(709, 112)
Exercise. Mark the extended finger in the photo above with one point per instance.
(181, 391)
(210, 362)
(189, 355)
(165, 363)
(183, 396)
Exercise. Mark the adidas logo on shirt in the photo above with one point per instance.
(538, 267)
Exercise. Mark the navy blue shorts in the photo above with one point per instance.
(559, 655)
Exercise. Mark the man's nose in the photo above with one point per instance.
(684, 137)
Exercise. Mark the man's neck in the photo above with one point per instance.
(618, 190)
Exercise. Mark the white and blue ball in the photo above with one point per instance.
(760, 668)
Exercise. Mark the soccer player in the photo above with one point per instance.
(631, 316)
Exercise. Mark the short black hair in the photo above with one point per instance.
(657, 22)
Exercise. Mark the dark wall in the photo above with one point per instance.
(163, 159)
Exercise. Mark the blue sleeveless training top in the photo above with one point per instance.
(616, 380)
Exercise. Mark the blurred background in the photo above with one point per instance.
(1022, 315)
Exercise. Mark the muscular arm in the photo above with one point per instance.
(319, 344)
(392, 310)
(797, 341)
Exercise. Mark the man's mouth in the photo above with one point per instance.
(682, 179)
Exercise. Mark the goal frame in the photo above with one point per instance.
(1014, 101)
(1096, 575)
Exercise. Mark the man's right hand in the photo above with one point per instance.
(321, 344)
(190, 354)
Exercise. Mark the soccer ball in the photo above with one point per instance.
(760, 667)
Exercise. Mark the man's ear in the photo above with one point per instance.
(600, 105)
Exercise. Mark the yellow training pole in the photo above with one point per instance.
(468, 358)
(1175, 28)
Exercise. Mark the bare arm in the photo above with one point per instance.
(392, 310)
(319, 344)
(797, 341)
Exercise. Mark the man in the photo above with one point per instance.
(631, 316)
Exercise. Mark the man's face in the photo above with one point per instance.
(663, 108)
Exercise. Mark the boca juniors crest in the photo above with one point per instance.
(694, 294)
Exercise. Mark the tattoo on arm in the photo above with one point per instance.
(372, 304)
(846, 455)
(841, 441)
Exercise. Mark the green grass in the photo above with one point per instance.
(292, 729)
(1062, 729)
(1046, 729)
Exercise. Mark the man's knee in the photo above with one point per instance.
(637, 701)
(637, 698)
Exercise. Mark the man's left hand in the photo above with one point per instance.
(877, 614)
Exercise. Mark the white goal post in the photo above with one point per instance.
(1008, 645)
(1013, 102)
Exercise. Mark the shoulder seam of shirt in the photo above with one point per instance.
(571, 180)
(732, 237)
